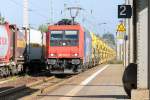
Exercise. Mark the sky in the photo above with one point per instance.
(94, 13)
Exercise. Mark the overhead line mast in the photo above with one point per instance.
(51, 16)
(26, 13)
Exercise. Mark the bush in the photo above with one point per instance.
(115, 62)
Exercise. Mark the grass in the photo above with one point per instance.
(115, 62)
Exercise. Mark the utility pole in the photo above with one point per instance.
(26, 27)
(25, 13)
(51, 16)
(65, 7)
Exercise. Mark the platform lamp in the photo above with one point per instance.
(100, 24)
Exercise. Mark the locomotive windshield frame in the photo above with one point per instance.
(64, 38)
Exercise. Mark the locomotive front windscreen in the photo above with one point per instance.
(64, 38)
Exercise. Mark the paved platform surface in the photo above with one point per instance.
(100, 83)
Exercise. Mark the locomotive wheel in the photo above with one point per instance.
(130, 78)
(19, 68)
(84, 68)
(80, 69)
(1, 72)
(4, 71)
(13, 70)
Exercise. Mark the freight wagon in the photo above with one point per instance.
(35, 49)
(101, 52)
(12, 49)
(21, 50)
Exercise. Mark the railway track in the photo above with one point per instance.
(35, 88)
(8, 79)
(18, 91)
(15, 77)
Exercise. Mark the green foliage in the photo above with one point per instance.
(66, 20)
(43, 28)
(109, 38)
(2, 19)
(115, 62)
(98, 35)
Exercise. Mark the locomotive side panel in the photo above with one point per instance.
(87, 49)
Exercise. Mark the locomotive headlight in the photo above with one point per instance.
(75, 54)
(64, 44)
(52, 54)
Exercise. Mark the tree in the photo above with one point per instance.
(109, 38)
(2, 19)
(43, 28)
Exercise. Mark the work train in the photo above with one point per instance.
(19, 48)
(63, 49)
(72, 49)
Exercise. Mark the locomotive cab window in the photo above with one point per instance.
(71, 38)
(64, 38)
(56, 35)
(71, 35)
(55, 38)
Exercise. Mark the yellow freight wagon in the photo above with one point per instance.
(101, 52)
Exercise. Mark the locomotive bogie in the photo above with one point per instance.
(61, 65)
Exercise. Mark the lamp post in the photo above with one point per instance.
(100, 24)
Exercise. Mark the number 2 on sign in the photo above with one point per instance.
(123, 10)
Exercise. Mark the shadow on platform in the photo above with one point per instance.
(7, 94)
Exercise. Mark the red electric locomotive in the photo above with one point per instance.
(69, 49)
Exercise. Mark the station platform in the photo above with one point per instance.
(103, 82)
